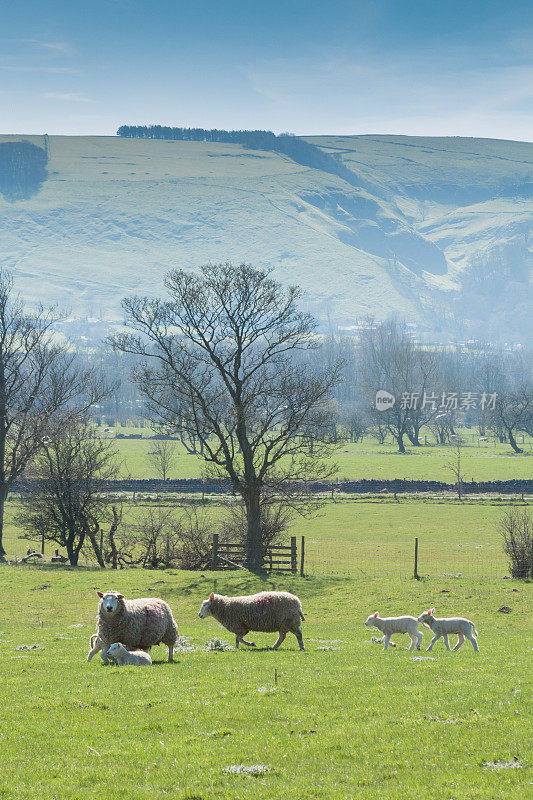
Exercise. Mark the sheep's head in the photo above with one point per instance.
(205, 610)
(115, 649)
(426, 617)
(110, 602)
(372, 619)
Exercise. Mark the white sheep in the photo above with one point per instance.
(118, 654)
(390, 625)
(443, 626)
(266, 611)
(138, 623)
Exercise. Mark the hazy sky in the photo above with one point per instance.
(379, 66)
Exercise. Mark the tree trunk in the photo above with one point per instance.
(401, 446)
(112, 530)
(254, 548)
(412, 434)
(3, 553)
(512, 441)
(96, 548)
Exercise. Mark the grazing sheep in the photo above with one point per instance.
(266, 611)
(136, 623)
(122, 657)
(390, 625)
(446, 625)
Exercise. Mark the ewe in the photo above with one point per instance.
(266, 611)
(446, 625)
(139, 623)
(390, 625)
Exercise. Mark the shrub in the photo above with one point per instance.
(516, 528)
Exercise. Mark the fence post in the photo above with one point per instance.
(302, 557)
(415, 574)
(294, 556)
(214, 551)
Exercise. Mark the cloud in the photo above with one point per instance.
(52, 70)
(69, 97)
(62, 48)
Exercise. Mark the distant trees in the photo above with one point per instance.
(41, 387)
(292, 146)
(22, 169)
(217, 365)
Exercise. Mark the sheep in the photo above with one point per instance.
(266, 611)
(445, 625)
(138, 623)
(118, 654)
(390, 625)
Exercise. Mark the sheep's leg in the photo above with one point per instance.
(239, 638)
(432, 642)
(300, 638)
(96, 646)
(446, 642)
(386, 640)
(460, 640)
(473, 641)
(419, 637)
(414, 641)
(104, 657)
(281, 637)
(170, 653)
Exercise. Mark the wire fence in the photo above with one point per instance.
(375, 559)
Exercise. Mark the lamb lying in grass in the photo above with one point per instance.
(118, 654)
(391, 625)
(443, 626)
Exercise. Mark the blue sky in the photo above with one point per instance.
(380, 66)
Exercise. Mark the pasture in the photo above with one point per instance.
(342, 719)
(368, 459)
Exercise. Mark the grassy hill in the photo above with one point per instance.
(436, 228)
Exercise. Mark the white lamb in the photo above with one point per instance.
(118, 654)
(446, 625)
(390, 625)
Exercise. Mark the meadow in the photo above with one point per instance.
(341, 720)
(480, 460)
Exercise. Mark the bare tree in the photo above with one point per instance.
(219, 366)
(388, 361)
(163, 457)
(454, 465)
(513, 412)
(516, 529)
(67, 502)
(40, 387)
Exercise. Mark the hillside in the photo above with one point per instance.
(433, 229)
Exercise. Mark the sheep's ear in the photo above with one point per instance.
(212, 596)
(120, 596)
(99, 594)
(376, 614)
(431, 611)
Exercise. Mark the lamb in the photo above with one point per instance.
(390, 625)
(136, 624)
(118, 654)
(445, 625)
(266, 611)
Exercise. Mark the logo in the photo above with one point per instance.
(384, 400)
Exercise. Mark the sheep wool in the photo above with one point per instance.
(122, 657)
(266, 611)
(443, 626)
(390, 625)
(137, 624)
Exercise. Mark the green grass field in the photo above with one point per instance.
(343, 720)
(481, 461)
